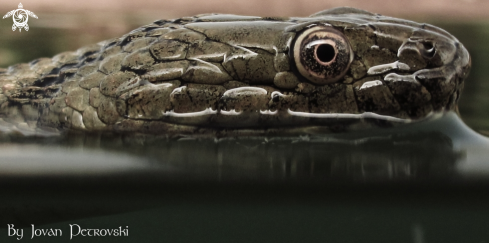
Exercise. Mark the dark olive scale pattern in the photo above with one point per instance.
(230, 75)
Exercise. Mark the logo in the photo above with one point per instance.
(20, 17)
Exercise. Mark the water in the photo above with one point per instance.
(423, 182)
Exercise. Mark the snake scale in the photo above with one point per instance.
(222, 74)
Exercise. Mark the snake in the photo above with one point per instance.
(340, 69)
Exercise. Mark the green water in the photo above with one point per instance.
(421, 183)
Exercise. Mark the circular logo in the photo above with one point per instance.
(20, 17)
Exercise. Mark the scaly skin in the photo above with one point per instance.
(231, 75)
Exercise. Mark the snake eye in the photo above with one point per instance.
(322, 54)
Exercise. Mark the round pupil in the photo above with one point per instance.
(325, 52)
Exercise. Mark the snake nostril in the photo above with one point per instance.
(427, 45)
(428, 49)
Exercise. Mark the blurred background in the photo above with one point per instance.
(65, 25)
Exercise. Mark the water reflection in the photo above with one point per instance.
(442, 148)
(77, 175)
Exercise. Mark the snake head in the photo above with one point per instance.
(247, 71)
(396, 67)
(331, 69)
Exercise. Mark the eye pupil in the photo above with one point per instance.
(325, 53)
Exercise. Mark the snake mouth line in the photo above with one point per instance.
(333, 116)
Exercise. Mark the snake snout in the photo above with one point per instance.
(420, 53)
